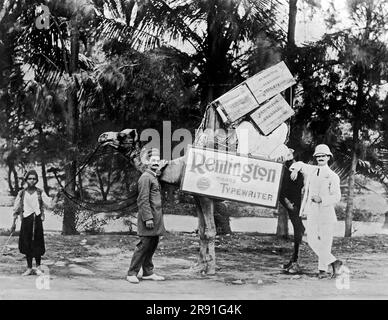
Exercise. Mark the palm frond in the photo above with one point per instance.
(378, 170)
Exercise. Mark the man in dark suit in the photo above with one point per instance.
(291, 198)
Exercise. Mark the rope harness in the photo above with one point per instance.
(128, 204)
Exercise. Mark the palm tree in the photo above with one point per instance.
(341, 77)
(220, 35)
(54, 56)
(223, 39)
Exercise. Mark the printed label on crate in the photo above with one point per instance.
(272, 114)
(236, 103)
(270, 82)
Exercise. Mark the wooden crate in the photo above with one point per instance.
(236, 103)
(272, 114)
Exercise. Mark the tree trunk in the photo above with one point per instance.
(44, 177)
(355, 152)
(293, 10)
(13, 184)
(15, 179)
(385, 226)
(69, 214)
(357, 115)
(352, 177)
(10, 185)
(207, 234)
(282, 228)
(42, 142)
(80, 187)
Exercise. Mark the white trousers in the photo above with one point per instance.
(320, 232)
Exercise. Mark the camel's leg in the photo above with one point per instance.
(207, 235)
(201, 265)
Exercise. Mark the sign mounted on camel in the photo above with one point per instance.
(228, 176)
(257, 89)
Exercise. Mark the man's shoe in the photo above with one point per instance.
(323, 274)
(154, 277)
(336, 265)
(28, 272)
(287, 265)
(294, 269)
(39, 271)
(132, 279)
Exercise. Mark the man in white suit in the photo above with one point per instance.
(322, 192)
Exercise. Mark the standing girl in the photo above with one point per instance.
(29, 205)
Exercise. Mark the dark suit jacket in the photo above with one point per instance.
(149, 202)
(292, 190)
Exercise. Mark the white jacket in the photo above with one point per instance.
(328, 189)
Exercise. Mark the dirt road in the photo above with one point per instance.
(94, 267)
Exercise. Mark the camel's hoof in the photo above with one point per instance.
(208, 273)
(197, 268)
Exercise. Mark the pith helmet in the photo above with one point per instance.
(322, 149)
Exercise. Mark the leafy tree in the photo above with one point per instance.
(341, 76)
(54, 58)
(218, 36)
(223, 40)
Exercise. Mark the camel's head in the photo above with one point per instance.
(127, 143)
(124, 141)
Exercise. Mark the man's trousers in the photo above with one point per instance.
(142, 256)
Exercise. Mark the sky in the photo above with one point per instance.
(308, 29)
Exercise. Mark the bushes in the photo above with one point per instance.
(358, 214)
(87, 221)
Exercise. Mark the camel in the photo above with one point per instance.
(127, 143)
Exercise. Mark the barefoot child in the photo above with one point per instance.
(29, 205)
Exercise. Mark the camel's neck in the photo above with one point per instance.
(172, 172)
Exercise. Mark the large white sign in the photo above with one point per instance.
(228, 176)
(270, 82)
(272, 114)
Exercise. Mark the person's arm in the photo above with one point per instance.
(304, 168)
(334, 192)
(287, 204)
(143, 200)
(47, 201)
(284, 201)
